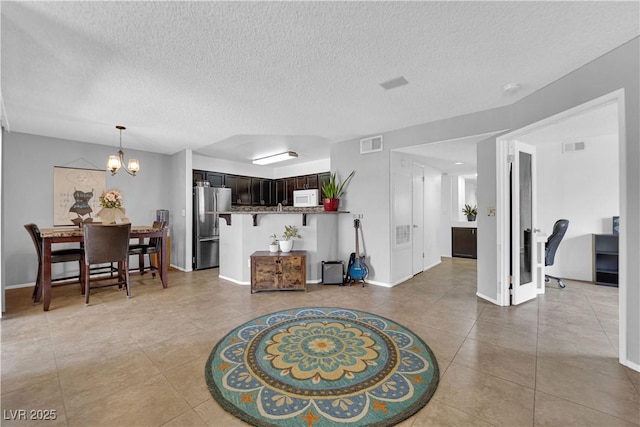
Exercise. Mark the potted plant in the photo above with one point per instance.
(332, 190)
(290, 233)
(470, 212)
(273, 246)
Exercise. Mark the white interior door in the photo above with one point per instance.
(523, 222)
(417, 217)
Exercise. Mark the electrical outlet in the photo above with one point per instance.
(358, 216)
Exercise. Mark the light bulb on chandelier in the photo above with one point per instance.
(115, 162)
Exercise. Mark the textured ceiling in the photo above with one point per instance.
(239, 80)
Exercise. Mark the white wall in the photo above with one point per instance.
(180, 186)
(432, 216)
(489, 287)
(583, 187)
(401, 211)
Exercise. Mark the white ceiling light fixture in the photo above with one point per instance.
(276, 158)
(510, 88)
(394, 83)
(458, 163)
(115, 162)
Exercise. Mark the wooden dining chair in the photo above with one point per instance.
(107, 244)
(57, 256)
(149, 248)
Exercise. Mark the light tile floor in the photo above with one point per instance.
(140, 362)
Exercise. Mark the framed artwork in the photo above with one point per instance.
(76, 194)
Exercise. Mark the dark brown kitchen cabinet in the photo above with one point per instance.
(277, 271)
(240, 189)
(464, 242)
(216, 179)
(199, 176)
(284, 191)
(255, 191)
(322, 178)
(306, 182)
(261, 192)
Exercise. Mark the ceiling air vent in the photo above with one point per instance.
(568, 147)
(371, 145)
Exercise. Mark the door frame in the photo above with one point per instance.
(503, 194)
(419, 204)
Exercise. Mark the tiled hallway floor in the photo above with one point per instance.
(140, 362)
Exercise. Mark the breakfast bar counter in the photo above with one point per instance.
(248, 230)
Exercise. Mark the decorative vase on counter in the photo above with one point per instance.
(113, 215)
(286, 245)
(471, 217)
(273, 248)
(330, 205)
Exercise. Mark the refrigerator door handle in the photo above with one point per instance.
(208, 239)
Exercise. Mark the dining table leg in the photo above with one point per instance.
(45, 278)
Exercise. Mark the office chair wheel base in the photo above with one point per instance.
(561, 284)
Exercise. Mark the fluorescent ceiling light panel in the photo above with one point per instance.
(275, 158)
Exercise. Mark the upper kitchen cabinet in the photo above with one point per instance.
(261, 192)
(240, 189)
(199, 176)
(216, 179)
(284, 191)
(322, 178)
(306, 182)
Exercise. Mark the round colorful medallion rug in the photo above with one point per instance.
(322, 366)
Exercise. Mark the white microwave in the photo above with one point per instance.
(305, 198)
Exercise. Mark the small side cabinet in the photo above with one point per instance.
(605, 259)
(464, 242)
(277, 271)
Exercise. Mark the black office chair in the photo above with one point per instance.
(58, 255)
(150, 248)
(559, 229)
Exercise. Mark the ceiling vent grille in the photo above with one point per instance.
(569, 147)
(371, 145)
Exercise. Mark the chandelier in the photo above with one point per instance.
(115, 162)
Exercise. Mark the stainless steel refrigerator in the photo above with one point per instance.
(206, 226)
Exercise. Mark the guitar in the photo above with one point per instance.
(358, 270)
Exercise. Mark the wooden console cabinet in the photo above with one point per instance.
(277, 271)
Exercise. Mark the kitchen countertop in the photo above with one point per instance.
(274, 210)
(270, 210)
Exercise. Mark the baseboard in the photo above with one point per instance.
(486, 298)
(384, 285)
(631, 365)
(429, 267)
(179, 268)
(237, 282)
(19, 286)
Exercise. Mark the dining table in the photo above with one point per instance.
(52, 236)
